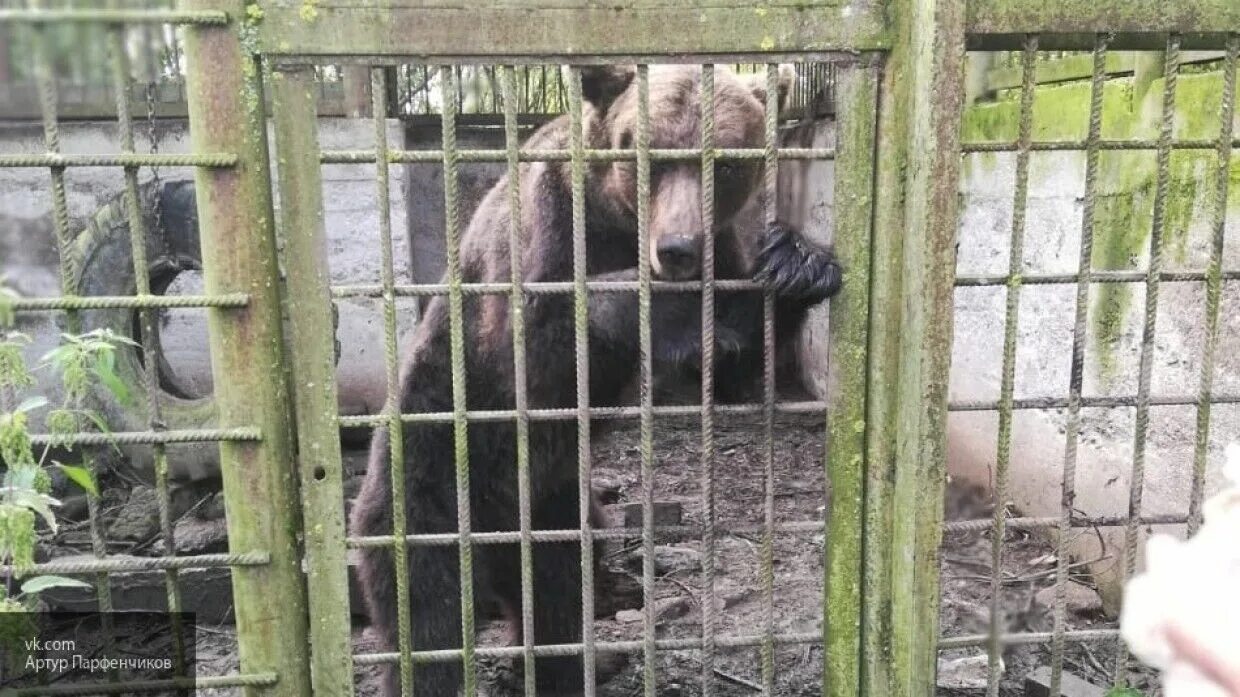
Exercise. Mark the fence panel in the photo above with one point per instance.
(1151, 269)
(242, 302)
(477, 537)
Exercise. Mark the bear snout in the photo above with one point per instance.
(679, 257)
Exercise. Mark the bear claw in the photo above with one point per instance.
(791, 267)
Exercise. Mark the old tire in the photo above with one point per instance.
(103, 261)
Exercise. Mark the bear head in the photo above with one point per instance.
(676, 224)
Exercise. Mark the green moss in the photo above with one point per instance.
(309, 10)
(1197, 101)
(1127, 180)
(1121, 225)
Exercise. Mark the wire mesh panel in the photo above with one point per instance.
(242, 305)
(1106, 215)
(539, 373)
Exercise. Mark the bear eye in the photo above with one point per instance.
(626, 140)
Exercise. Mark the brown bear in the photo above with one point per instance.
(799, 273)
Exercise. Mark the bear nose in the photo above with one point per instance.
(679, 256)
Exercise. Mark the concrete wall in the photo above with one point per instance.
(1125, 189)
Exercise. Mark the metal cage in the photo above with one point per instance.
(898, 75)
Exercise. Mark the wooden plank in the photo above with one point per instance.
(916, 218)
(849, 346)
(224, 85)
(1137, 24)
(545, 28)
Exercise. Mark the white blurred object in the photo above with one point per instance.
(1194, 584)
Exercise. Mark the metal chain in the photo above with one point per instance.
(156, 185)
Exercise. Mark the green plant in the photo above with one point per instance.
(81, 361)
(1124, 692)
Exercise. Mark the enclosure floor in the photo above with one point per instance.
(742, 608)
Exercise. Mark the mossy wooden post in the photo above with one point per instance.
(857, 100)
(312, 348)
(225, 100)
(911, 289)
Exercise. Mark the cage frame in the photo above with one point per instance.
(899, 322)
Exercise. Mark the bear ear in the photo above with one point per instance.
(757, 83)
(601, 84)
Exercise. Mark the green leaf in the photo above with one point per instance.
(102, 426)
(57, 355)
(31, 403)
(21, 477)
(7, 298)
(42, 583)
(104, 363)
(39, 503)
(80, 476)
(1124, 692)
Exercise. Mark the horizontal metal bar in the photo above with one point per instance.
(118, 160)
(191, 435)
(1050, 522)
(117, 565)
(372, 420)
(1134, 276)
(514, 536)
(102, 16)
(1078, 636)
(540, 288)
(1081, 67)
(125, 687)
(688, 644)
(336, 157)
(543, 28)
(1086, 41)
(735, 285)
(107, 302)
(1057, 145)
(1105, 402)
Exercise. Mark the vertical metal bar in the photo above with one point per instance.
(1016, 259)
(707, 103)
(516, 310)
(581, 343)
(45, 78)
(311, 348)
(770, 213)
(1077, 374)
(1145, 371)
(649, 681)
(391, 359)
(1227, 111)
(456, 321)
(149, 337)
(931, 48)
(848, 352)
(226, 112)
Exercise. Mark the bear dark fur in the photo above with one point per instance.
(546, 253)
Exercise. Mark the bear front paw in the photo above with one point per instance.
(792, 267)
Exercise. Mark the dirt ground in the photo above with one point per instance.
(801, 496)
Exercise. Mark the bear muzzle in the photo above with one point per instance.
(678, 257)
